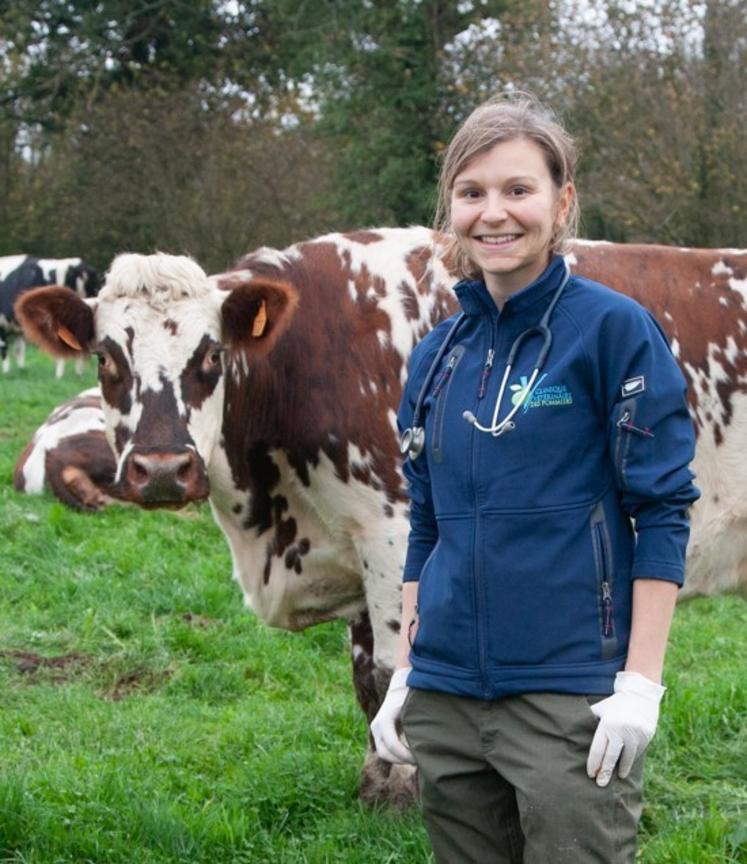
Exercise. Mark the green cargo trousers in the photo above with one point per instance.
(504, 781)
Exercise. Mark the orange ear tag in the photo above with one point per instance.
(67, 337)
(260, 322)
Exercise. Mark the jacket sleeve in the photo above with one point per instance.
(423, 527)
(651, 438)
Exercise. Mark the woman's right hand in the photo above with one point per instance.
(391, 746)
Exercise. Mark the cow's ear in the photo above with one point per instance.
(256, 311)
(57, 320)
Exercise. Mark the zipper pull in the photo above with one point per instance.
(624, 423)
(444, 375)
(606, 609)
(486, 374)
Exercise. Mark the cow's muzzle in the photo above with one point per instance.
(153, 478)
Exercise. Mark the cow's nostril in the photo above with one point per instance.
(185, 469)
(140, 469)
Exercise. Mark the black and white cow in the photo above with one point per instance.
(273, 389)
(18, 273)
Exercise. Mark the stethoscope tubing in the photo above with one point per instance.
(412, 442)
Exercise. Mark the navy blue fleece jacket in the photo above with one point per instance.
(526, 545)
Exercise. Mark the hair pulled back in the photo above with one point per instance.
(504, 118)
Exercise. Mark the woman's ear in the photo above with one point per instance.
(565, 200)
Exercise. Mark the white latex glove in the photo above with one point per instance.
(627, 722)
(389, 745)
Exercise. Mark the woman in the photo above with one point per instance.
(548, 523)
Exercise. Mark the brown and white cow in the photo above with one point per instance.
(273, 388)
(69, 455)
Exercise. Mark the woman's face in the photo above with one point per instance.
(505, 208)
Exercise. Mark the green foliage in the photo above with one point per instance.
(146, 716)
(215, 127)
(380, 86)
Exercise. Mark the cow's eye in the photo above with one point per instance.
(213, 360)
(106, 364)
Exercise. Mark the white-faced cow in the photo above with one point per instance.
(69, 455)
(18, 273)
(273, 388)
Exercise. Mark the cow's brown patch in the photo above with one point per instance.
(694, 305)
(115, 376)
(362, 643)
(19, 482)
(364, 237)
(409, 302)
(295, 553)
(80, 470)
(285, 534)
(418, 263)
(201, 374)
(171, 326)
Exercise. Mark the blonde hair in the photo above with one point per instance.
(504, 118)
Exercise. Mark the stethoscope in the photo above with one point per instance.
(412, 441)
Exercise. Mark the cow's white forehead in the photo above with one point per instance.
(158, 279)
(158, 308)
(159, 339)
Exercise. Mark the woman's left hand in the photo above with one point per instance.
(627, 722)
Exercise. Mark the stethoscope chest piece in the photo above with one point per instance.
(412, 442)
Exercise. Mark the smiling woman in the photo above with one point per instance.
(534, 619)
(505, 212)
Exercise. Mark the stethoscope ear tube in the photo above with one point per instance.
(412, 441)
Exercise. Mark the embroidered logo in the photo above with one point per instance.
(549, 396)
(633, 386)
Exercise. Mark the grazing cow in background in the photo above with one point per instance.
(273, 388)
(18, 273)
(70, 455)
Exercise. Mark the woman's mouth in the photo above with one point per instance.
(498, 241)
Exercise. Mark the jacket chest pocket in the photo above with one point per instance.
(440, 396)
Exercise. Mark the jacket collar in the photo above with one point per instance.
(475, 298)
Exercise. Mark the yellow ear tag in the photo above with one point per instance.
(67, 337)
(260, 322)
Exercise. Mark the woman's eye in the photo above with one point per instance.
(518, 191)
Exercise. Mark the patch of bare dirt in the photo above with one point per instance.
(63, 667)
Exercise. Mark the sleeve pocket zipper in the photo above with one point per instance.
(626, 429)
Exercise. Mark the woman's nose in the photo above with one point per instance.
(494, 209)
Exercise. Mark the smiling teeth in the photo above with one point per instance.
(500, 238)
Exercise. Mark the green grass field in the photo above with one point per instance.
(145, 716)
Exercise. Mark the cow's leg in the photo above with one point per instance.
(80, 365)
(59, 368)
(19, 349)
(381, 782)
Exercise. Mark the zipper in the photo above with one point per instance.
(486, 373)
(444, 376)
(478, 599)
(625, 423)
(441, 394)
(605, 585)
